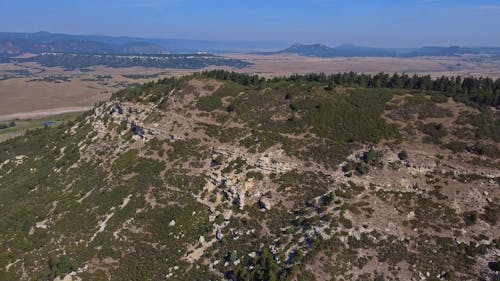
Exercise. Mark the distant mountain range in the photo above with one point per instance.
(18, 43)
(452, 51)
(12, 44)
(323, 51)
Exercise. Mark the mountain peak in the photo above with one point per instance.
(314, 45)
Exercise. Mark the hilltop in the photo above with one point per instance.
(225, 176)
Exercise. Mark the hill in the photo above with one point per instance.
(453, 51)
(323, 51)
(16, 43)
(19, 43)
(224, 176)
(317, 50)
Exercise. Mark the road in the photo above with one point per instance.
(43, 113)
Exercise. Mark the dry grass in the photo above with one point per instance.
(280, 65)
(20, 97)
(32, 122)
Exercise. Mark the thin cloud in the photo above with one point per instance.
(140, 4)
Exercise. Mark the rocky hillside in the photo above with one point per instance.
(220, 176)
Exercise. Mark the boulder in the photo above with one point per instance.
(265, 203)
(218, 234)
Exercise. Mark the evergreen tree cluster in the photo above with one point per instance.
(266, 268)
(240, 78)
(474, 90)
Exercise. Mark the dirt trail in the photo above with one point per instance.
(43, 113)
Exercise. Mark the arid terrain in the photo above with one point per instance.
(50, 89)
(282, 65)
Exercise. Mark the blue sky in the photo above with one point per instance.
(404, 23)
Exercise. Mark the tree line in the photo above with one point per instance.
(78, 61)
(474, 90)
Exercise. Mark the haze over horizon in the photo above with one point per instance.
(380, 23)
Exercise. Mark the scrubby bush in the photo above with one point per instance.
(403, 155)
(434, 131)
(372, 157)
(456, 146)
(470, 218)
(60, 266)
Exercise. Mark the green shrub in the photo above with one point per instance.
(209, 103)
(403, 155)
(126, 162)
(372, 157)
(60, 266)
(434, 131)
(470, 218)
(456, 146)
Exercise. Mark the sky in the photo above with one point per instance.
(381, 23)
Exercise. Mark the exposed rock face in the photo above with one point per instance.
(218, 234)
